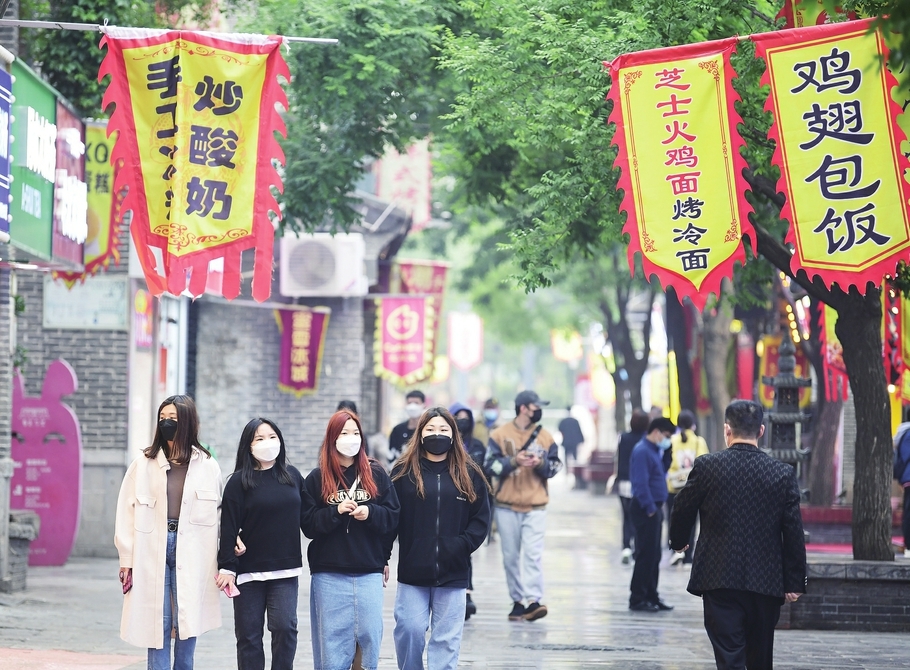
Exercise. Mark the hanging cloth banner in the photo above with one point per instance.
(404, 339)
(105, 208)
(837, 147)
(768, 367)
(302, 342)
(426, 278)
(835, 372)
(196, 116)
(679, 152)
(801, 13)
(892, 345)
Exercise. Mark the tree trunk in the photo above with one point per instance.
(717, 339)
(676, 332)
(619, 411)
(858, 329)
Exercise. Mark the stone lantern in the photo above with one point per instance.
(780, 435)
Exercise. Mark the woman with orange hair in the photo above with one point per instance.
(350, 507)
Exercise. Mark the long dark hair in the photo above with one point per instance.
(685, 421)
(330, 466)
(187, 435)
(246, 463)
(457, 457)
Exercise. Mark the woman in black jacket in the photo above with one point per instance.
(262, 507)
(350, 507)
(445, 514)
(627, 441)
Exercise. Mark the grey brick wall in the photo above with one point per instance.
(9, 36)
(370, 384)
(236, 376)
(849, 447)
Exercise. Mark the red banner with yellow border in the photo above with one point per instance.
(196, 119)
(303, 334)
(679, 152)
(837, 147)
(802, 13)
(404, 339)
(768, 367)
(105, 207)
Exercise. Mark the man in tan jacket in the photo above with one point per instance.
(523, 456)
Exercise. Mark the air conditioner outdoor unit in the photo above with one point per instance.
(322, 265)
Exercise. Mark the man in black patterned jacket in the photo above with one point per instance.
(751, 555)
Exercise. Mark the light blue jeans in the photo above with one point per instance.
(160, 659)
(345, 610)
(437, 609)
(521, 538)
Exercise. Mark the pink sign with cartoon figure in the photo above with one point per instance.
(47, 461)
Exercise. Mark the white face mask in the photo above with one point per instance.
(348, 445)
(267, 450)
(413, 410)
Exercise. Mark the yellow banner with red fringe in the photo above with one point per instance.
(679, 153)
(196, 119)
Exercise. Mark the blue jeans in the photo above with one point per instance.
(416, 607)
(278, 597)
(344, 610)
(160, 659)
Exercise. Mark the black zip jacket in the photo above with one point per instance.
(341, 543)
(437, 534)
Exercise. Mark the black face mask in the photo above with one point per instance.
(463, 425)
(535, 417)
(437, 444)
(168, 429)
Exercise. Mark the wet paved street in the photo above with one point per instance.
(69, 617)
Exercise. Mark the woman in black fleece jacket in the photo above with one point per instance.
(445, 514)
(349, 508)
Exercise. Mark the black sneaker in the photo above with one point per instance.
(535, 611)
(469, 608)
(644, 606)
(517, 613)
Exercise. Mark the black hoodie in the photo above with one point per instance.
(341, 543)
(438, 533)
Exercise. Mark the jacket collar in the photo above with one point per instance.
(743, 446)
(161, 459)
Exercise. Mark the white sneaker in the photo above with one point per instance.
(677, 558)
(906, 553)
(626, 556)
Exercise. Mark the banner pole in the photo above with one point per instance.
(91, 27)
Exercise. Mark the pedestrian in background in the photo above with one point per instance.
(638, 424)
(347, 405)
(401, 434)
(263, 505)
(445, 513)
(572, 437)
(490, 421)
(751, 554)
(166, 533)
(902, 475)
(349, 508)
(464, 421)
(523, 455)
(649, 493)
(686, 447)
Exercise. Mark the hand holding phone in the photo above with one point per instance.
(126, 579)
(231, 590)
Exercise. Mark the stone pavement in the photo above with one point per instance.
(69, 617)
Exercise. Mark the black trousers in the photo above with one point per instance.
(906, 520)
(647, 554)
(628, 530)
(740, 625)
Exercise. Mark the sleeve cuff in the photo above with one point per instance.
(222, 571)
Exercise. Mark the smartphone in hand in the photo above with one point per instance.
(231, 590)
(128, 582)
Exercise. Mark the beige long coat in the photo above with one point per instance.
(140, 535)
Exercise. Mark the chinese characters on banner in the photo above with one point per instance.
(769, 368)
(405, 180)
(105, 211)
(679, 152)
(302, 341)
(426, 278)
(196, 116)
(404, 339)
(838, 151)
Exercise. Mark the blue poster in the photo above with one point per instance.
(6, 99)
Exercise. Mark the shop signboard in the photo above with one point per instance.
(6, 99)
(70, 191)
(34, 167)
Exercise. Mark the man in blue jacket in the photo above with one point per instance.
(902, 475)
(649, 493)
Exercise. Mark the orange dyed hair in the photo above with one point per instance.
(330, 466)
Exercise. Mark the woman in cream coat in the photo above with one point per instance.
(167, 536)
